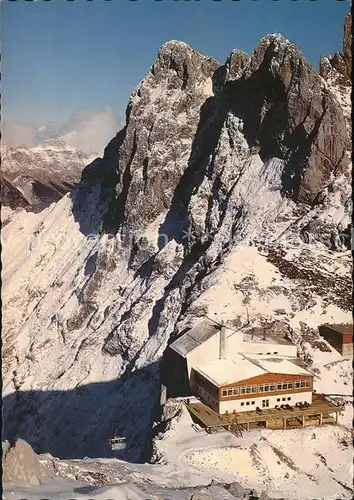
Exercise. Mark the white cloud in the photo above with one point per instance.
(18, 134)
(87, 130)
(90, 131)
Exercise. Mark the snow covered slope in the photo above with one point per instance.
(178, 220)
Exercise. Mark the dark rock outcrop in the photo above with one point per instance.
(11, 195)
(347, 44)
(236, 64)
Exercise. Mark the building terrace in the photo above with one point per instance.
(319, 412)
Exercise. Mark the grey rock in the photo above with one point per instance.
(236, 64)
(200, 496)
(20, 463)
(238, 491)
(325, 67)
(347, 44)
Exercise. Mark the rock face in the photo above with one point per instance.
(36, 177)
(151, 161)
(279, 98)
(347, 44)
(20, 463)
(96, 285)
(292, 116)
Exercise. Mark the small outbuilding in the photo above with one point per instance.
(339, 336)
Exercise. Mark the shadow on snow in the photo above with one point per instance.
(79, 422)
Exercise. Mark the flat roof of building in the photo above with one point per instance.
(279, 365)
(194, 337)
(228, 371)
(269, 339)
(204, 330)
(221, 372)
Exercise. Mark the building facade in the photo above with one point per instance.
(267, 390)
(339, 336)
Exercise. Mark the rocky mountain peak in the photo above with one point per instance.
(287, 109)
(163, 117)
(338, 67)
(180, 109)
(279, 56)
(236, 64)
(34, 178)
(183, 65)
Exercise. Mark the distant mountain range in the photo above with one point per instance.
(34, 178)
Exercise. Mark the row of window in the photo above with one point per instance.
(269, 387)
(265, 403)
(234, 391)
(247, 403)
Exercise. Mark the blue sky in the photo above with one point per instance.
(60, 56)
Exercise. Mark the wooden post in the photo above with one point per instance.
(321, 419)
(248, 426)
(266, 424)
(284, 423)
(336, 418)
(303, 420)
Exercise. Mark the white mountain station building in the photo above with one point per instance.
(231, 371)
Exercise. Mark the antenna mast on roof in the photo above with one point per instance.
(222, 341)
(222, 324)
